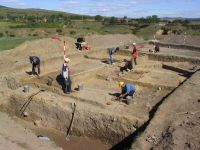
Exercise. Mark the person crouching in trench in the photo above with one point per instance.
(127, 67)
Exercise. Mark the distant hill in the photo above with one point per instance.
(180, 18)
(5, 11)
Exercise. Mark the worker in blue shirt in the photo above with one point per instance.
(112, 51)
(35, 61)
(128, 90)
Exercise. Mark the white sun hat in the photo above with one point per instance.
(67, 59)
(134, 43)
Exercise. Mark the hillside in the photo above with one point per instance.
(7, 11)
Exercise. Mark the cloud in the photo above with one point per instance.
(93, 7)
(70, 3)
(8, 1)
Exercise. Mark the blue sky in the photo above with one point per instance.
(119, 8)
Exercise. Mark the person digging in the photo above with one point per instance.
(112, 51)
(66, 76)
(128, 90)
(35, 61)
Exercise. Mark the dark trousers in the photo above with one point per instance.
(33, 68)
(125, 68)
(68, 84)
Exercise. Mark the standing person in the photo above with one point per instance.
(128, 90)
(35, 61)
(135, 53)
(66, 76)
(112, 51)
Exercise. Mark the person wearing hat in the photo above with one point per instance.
(66, 75)
(35, 61)
(128, 91)
(112, 51)
(135, 53)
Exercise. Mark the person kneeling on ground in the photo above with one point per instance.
(128, 91)
(112, 51)
(66, 76)
(127, 67)
(157, 48)
(35, 61)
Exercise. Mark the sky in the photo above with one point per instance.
(117, 8)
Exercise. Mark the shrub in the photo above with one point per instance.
(1, 35)
(72, 32)
(35, 34)
(59, 30)
(12, 35)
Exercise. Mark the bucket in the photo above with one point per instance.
(129, 100)
(80, 87)
(26, 88)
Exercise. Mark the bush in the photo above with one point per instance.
(98, 18)
(72, 32)
(1, 35)
(35, 34)
(12, 35)
(59, 30)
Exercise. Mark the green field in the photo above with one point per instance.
(10, 24)
(10, 43)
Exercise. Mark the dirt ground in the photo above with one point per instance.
(180, 39)
(99, 115)
(15, 136)
(178, 128)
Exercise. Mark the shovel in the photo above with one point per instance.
(23, 108)
(69, 131)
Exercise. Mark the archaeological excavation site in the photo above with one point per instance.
(164, 113)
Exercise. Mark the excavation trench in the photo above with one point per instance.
(99, 115)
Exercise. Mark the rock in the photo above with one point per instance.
(109, 78)
(192, 113)
(148, 106)
(108, 103)
(119, 74)
(37, 123)
(26, 114)
(159, 88)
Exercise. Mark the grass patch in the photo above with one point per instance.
(10, 24)
(193, 32)
(147, 32)
(10, 43)
(115, 29)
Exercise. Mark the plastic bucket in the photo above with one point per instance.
(129, 100)
(26, 88)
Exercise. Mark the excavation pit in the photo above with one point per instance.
(99, 115)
